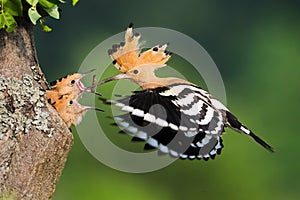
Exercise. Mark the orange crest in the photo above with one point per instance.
(68, 84)
(127, 56)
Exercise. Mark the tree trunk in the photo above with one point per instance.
(34, 141)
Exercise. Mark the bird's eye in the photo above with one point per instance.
(70, 102)
(72, 82)
(135, 71)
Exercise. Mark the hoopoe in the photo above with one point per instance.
(171, 114)
(70, 84)
(64, 95)
(70, 110)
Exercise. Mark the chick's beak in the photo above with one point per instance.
(87, 89)
(93, 108)
(78, 81)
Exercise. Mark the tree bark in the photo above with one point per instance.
(34, 142)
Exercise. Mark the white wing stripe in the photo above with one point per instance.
(138, 112)
(208, 117)
(149, 118)
(152, 142)
(142, 135)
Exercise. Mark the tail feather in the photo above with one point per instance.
(261, 142)
(234, 123)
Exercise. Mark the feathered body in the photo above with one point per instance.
(171, 114)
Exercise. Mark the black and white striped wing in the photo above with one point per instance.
(178, 120)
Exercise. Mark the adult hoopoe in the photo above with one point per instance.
(171, 114)
(64, 95)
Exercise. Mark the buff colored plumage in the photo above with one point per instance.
(171, 114)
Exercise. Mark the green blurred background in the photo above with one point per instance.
(256, 47)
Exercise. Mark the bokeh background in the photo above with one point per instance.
(256, 46)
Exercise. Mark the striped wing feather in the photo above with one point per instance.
(161, 121)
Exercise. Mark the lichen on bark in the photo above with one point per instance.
(31, 163)
(17, 98)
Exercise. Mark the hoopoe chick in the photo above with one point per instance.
(171, 114)
(70, 84)
(70, 110)
(64, 96)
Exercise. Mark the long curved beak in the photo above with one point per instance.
(92, 88)
(117, 77)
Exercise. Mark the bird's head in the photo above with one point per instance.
(69, 109)
(70, 83)
(136, 65)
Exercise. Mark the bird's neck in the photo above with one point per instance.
(160, 82)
